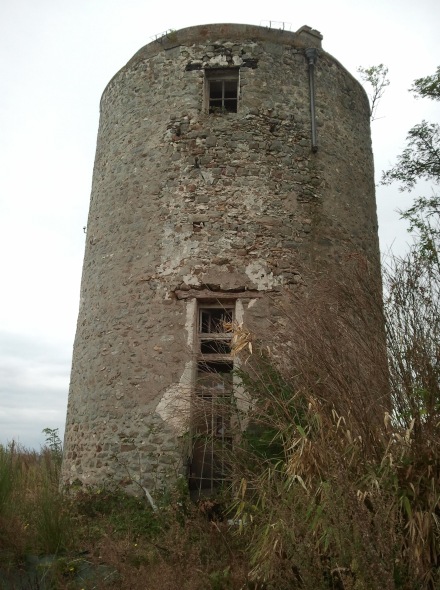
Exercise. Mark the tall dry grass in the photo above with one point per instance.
(338, 478)
(334, 483)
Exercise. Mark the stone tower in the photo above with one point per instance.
(229, 158)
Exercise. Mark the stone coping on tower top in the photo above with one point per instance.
(304, 37)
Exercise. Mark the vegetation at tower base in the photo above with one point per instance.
(335, 485)
(420, 161)
(354, 487)
(335, 482)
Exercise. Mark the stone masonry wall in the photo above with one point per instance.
(184, 201)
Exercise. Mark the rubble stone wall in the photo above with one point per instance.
(185, 201)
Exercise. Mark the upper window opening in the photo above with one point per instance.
(222, 90)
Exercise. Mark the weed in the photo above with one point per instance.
(7, 476)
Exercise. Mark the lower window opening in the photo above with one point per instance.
(215, 347)
(211, 426)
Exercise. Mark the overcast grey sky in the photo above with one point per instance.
(56, 58)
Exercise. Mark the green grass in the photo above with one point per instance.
(102, 538)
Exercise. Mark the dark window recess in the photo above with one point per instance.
(215, 370)
(198, 226)
(222, 91)
(213, 320)
(214, 337)
(250, 63)
(215, 346)
(212, 383)
(190, 67)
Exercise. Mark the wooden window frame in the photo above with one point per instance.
(222, 103)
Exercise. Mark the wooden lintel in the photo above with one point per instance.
(217, 295)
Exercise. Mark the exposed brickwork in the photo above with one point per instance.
(184, 200)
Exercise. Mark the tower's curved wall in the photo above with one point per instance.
(185, 202)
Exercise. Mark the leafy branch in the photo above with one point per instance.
(377, 78)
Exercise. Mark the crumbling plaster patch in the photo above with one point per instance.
(243, 400)
(191, 280)
(174, 406)
(190, 322)
(239, 311)
(251, 303)
(174, 250)
(262, 279)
